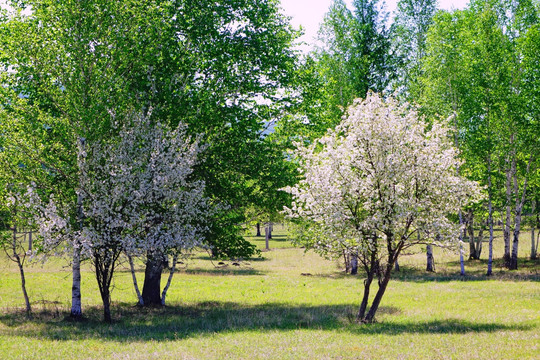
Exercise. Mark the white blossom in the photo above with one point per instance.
(382, 171)
(137, 191)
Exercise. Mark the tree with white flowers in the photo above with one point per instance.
(138, 198)
(375, 181)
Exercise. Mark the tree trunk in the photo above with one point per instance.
(354, 264)
(490, 221)
(106, 297)
(370, 317)
(270, 229)
(30, 242)
(76, 305)
(140, 301)
(258, 229)
(396, 266)
(267, 236)
(152, 280)
(346, 260)
(508, 219)
(430, 266)
(461, 262)
(370, 274)
(20, 264)
(517, 218)
(365, 298)
(171, 273)
(104, 263)
(472, 243)
(533, 245)
(479, 242)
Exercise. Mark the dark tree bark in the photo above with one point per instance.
(258, 229)
(365, 298)
(105, 262)
(371, 268)
(370, 317)
(152, 280)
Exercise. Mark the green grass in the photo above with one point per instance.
(287, 305)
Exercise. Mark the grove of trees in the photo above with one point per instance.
(145, 129)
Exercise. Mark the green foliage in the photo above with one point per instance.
(408, 33)
(353, 59)
(221, 68)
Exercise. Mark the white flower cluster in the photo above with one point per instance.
(137, 193)
(382, 171)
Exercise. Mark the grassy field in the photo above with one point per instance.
(286, 305)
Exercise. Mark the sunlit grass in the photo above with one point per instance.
(287, 305)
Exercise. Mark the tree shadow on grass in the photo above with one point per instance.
(207, 318)
(222, 271)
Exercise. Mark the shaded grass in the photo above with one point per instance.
(183, 321)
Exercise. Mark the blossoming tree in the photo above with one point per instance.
(137, 198)
(373, 183)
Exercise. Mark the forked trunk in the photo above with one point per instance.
(104, 263)
(20, 264)
(371, 269)
(365, 298)
(370, 317)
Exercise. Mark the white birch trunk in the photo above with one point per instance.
(135, 284)
(490, 221)
(519, 211)
(171, 273)
(76, 303)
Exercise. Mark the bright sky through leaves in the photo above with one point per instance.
(309, 14)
